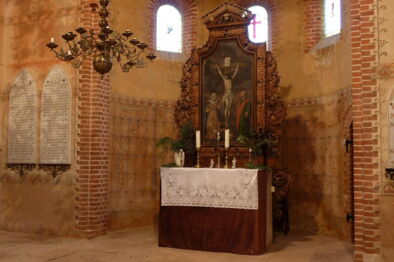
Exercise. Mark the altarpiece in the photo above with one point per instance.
(230, 83)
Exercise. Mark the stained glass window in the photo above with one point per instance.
(258, 28)
(169, 29)
(332, 17)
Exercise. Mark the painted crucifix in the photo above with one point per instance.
(227, 98)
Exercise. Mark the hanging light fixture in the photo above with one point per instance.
(106, 47)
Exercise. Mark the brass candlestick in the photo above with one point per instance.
(226, 159)
(218, 165)
(198, 158)
(218, 149)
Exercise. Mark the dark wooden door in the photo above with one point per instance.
(350, 184)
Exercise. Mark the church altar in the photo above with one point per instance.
(213, 209)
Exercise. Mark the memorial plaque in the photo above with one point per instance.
(22, 120)
(55, 119)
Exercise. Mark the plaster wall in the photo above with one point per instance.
(160, 80)
(142, 112)
(2, 7)
(316, 158)
(316, 87)
(36, 203)
(385, 76)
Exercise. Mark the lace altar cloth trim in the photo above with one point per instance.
(207, 187)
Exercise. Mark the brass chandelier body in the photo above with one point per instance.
(106, 47)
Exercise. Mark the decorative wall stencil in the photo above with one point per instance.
(137, 124)
(331, 98)
(22, 120)
(387, 188)
(55, 119)
(381, 29)
(385, 71)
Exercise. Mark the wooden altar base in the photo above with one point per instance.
(238, 231)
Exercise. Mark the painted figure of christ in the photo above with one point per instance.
(227, 98)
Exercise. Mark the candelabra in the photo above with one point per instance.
(107, 46)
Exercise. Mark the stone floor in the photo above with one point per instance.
(140, 245)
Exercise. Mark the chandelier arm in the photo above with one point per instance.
(57, 54)
(69, 45)
(81, 52)
(125, 67)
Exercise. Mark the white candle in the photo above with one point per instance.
(218, 137)
(52, 40)
(69, 52)
(227, 138)
(198, 139)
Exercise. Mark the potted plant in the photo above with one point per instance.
(181, 146)
(260, 142)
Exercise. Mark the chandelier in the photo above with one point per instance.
(105, 48)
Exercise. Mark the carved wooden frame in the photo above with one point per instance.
(230, 21)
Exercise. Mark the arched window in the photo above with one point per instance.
(169, 29)
(332, 17)
(258, 28)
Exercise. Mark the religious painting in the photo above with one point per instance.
(227, 91)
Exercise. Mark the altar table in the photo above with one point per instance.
(211, 209)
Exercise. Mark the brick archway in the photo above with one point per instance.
(188, 10)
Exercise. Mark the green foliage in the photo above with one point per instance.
(185, 140)
(251, 165)
(260, 142)
(169, 165)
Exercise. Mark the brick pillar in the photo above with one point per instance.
(313, 14)
(93, 141)
(365, 124)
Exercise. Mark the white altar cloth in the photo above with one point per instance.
(210, 187)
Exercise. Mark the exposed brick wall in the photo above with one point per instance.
(93, 141)
(313, 15)
(272, 9)
(365, 124)
(188, 10)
